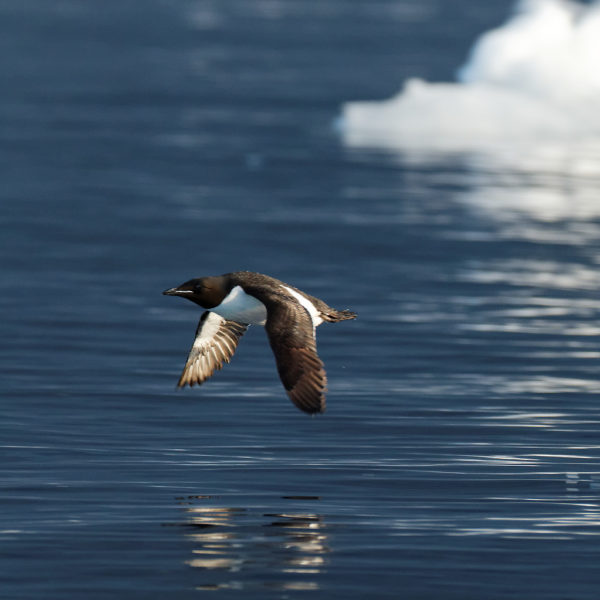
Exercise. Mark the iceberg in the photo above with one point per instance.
(534, 80)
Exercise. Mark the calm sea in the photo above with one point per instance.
(144, 143)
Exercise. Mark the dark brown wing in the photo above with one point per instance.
(215, 343)
(292, 338)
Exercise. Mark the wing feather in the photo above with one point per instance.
(215, 343)
(292, 338)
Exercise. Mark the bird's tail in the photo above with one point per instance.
(333, 316)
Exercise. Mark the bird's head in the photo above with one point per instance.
(207, 292)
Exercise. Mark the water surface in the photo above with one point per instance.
(459, 455)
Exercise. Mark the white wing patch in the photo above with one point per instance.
(307, 304)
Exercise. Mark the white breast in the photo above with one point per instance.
(308, 305)
(241, 307)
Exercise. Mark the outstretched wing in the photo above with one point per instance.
(215, 343)
(292, 338)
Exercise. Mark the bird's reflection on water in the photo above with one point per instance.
(234, 548)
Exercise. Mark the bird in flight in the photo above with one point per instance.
(234, 301)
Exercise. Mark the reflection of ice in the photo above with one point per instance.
(536, 273)
(533, 82)
(563, 517)
(230, 541)
(558, 209)
(582, 482)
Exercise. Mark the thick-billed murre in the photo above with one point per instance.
(236, 300)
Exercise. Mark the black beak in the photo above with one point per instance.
(177, 292)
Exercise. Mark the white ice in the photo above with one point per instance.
(535, 80)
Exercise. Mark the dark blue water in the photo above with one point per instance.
(146, 143)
